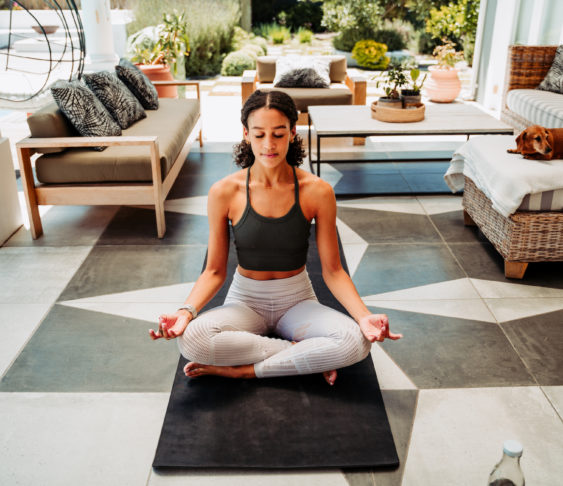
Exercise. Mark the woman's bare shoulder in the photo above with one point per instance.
(228, 186)
(313, 185)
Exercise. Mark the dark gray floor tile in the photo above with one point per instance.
(539, 342)
(401, 408)
(67, 226)
(451, 227)
(445, 352)
(81, 351)
(370, 184)
(109, 269)
(423, 183)
(481, 260)
(137, 226)
(432, 167)
(395, 266)
(200, 171)
(386, 226)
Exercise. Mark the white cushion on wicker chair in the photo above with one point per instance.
(539, 107)
(504, 178)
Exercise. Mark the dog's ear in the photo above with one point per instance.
(520, 142)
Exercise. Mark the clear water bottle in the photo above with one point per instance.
(507, 472)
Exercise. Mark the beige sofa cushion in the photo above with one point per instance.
(171, 123)
(335, 94)
(266, 69)
(50, 122)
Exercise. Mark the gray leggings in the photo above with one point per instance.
(236, 332)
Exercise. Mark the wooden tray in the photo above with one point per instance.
(397, 115)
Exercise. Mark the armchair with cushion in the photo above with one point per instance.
(344, 89)
(522, 103)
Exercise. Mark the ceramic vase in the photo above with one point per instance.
(443, 85)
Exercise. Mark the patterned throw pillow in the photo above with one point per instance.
(302, 72)
(84, 110)
(553, 80)
(138, 83)
(115, 96)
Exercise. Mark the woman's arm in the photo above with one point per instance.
(214, 274)
(375, 327)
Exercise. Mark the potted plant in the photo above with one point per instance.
(444, 85)
(411, 96)
(160, 50)
(392, 80)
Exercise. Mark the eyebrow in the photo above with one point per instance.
(275, 128)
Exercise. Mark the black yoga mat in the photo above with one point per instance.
(289, 422)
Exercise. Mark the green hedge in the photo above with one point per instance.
(211, 26)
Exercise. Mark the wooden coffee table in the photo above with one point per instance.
(440, 119)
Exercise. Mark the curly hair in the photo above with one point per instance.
(242, 152)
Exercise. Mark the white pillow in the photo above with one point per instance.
(302, 72)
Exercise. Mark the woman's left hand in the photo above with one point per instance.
(375, 327)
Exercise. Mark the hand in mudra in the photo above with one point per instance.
(375, 327)
(171, 326)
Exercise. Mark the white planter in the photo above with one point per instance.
(10, 214)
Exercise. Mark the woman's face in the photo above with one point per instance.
(269, 134)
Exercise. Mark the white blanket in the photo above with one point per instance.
(504, 178)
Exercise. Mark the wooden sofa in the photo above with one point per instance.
(137, 168)
(522, 104)
(344, 88)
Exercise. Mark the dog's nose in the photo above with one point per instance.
(547, 150)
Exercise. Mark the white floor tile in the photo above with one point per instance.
(440, 204)
(451, 289)
(354, 253)
(37, 275)
(472, 309)
(408, 205)
(17, 324)
(81, 439)
(247, 478)
(389, 374)
(511, 309)
(555, 396)
(491, 289)
(458, 434)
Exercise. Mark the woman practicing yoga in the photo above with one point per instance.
(270, 204)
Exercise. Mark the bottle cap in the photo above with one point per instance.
(512, 448)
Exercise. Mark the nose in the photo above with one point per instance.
(547, 150)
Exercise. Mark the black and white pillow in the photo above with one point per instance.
(86, 112)
(138, 83)
(115, 96)
(302, 72)
(553, 80)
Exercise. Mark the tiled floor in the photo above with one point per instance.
(84, 391)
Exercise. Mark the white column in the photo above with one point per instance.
(96, 20)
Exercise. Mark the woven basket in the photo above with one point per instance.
(533, 236)
(397, 115)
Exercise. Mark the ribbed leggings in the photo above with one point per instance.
(236, 333)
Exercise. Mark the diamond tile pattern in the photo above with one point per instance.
(480, 360)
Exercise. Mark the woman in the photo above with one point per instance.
(270, 204)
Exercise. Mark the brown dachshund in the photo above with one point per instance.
(539, 143)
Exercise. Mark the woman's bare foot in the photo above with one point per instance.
(194, 370)
(330, 376)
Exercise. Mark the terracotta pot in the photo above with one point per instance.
(443, 85)
(160, 72)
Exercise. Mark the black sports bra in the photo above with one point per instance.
(272, 244)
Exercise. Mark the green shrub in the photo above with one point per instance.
(305, 36)
(280, 35)
(236, 63)
(260, 42)
(346, 40)
(252, 49)
(297, 13)
(370, 54)
(210, 36)
(391, 38)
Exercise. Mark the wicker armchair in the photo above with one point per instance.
(526, 68)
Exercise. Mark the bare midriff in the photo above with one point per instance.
(267, 275)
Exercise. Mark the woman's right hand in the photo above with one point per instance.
(171, 326)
